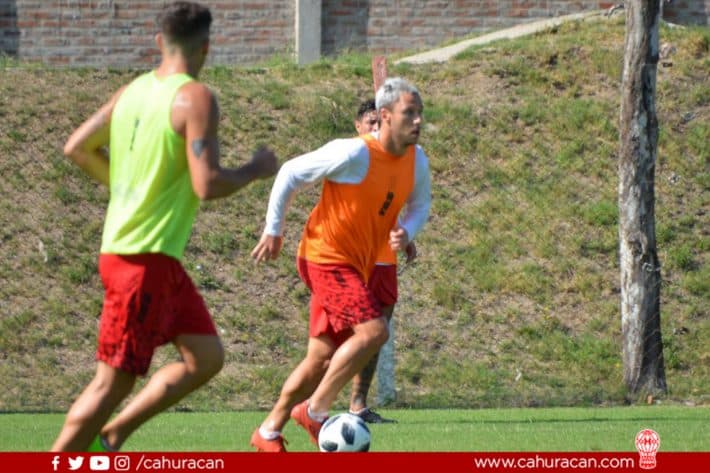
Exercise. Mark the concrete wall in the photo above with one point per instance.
(120, 32)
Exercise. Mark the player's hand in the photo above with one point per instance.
(269, 247)
(264, 162)
(399, 239)
(411, 251)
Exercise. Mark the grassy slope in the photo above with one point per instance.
(514, 299)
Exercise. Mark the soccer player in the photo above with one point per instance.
(366, 182)
(383, 283)
(161, 134)
(366, 120)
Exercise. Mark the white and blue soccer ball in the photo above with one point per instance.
(344, 433)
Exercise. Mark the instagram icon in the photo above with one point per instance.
(121, 463)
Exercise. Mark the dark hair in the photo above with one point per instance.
(365, 107)
(185, 24)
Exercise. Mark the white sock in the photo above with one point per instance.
(358, 412)
(317, 416)
(269, 434)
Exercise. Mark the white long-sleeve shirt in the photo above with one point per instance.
(345, 161)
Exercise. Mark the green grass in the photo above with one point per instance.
(564, 430)
(514, 299)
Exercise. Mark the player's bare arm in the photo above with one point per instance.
(195, 115)
(87, 144)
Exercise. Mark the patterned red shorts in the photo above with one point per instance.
(383, 284)
(340, 299)
(149, 300)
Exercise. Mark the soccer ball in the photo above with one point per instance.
(344, 433)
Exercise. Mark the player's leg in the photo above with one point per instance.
(298, 386)
(344, 310)
(93, 407)
(118, 364)
(202, 358)
(349, 359)
(361, 385)
(383, 284)
(354, 349)
(175, 312)
(363, 380)
(353, 318)
(301, 382)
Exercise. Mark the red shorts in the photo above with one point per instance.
(149, 300)
(383, 283)
(340, 299)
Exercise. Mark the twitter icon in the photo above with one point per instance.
(75, 463)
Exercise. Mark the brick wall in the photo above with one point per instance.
(120, 32)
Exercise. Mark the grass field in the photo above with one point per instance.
(558, 429)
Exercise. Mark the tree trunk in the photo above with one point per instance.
(640, 268)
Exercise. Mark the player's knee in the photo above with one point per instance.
(382, 338)
(316, 365)
(77, 417)
(209, 361)
(215, 361)
(380, 333)
(110, 383)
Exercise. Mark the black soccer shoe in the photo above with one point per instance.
(372, 417)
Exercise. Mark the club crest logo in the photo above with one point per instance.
(647, 443)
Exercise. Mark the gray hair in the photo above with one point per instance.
(390, 91)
